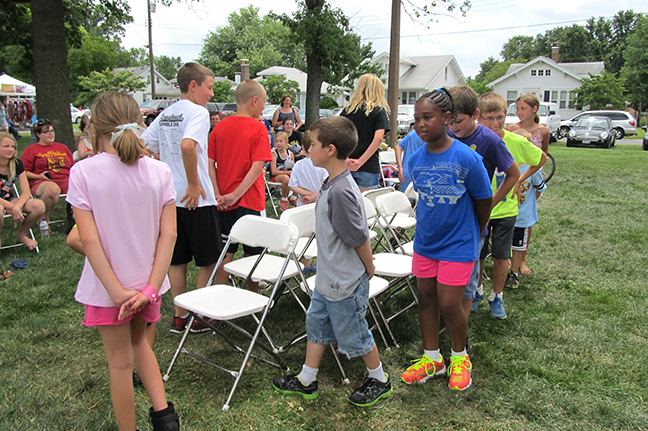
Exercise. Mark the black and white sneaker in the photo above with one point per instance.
(292, 385)
(371, 391)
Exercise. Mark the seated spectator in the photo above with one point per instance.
(286, 111)
(47, 165)
(84, 147)
(22, 209)
(213, 120)
(294, 136)
(281, 167)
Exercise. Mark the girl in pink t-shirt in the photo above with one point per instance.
(124, 206)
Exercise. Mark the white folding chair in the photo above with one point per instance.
(388, 157)
(389, 206)
(270, 191)
(226, 303)
(31, 234)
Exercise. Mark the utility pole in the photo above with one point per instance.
(150, 32)
(394, 68)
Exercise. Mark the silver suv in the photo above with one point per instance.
(623, 122)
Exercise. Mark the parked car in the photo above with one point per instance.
(624, 123)
(592, 132)
(323, 113)
(269, 111)
(77, 113)
(152, 108)
(547, 111)
(405, 119)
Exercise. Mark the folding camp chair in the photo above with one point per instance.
(389, 206)
(226, 303)
(31, 233)
(388, 157)
(269, 191)
(398, 267)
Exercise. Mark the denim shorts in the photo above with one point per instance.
(366, 180)
(344, 322)
(471, 287)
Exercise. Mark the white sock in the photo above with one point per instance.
(480, 289)
(184, 317)
(462, 353)
(378, 373)
(435, 355)
(308, 375)
(493, 295)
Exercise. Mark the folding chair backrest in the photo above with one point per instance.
(373, 193)
(410, 192)
(388, 157)
(255, 231)
(303, 217)
(393, 203)
(370, 209)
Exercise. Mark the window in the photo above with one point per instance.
(404, 98)
(564, 97)
(412, 98)
(510, 97)
(540, 72)
(446, 74)
(554, 97)
(157, 79)
(546, 96)
(548, 72)
(533, 72)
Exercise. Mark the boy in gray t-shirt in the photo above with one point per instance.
(345, 266)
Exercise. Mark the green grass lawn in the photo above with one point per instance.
(571, 355)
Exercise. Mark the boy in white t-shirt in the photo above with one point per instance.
(179, 135)
(306, 179)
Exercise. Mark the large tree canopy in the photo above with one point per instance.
(635, 70)
(604, 91)
(264, 41)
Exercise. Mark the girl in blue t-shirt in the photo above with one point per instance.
(454, 205)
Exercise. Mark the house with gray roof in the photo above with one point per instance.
(419, 75)
(164, 89)
(548, 79)
(291, 73)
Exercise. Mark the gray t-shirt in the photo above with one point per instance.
(341, 226)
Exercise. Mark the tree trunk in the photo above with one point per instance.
(50, 67)
(313, 87)
(394, 70)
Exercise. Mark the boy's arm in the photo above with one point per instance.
(399, 162)
(511, 176)
(364, 252)
(355, 164)
(213, 177)
(231, 198)
(190, 162)
(305, 196)
(483, 210)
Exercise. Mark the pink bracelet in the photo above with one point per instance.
(151, 293)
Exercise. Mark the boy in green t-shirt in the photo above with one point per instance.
(492, 108)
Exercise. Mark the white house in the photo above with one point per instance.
(546, 78)
(164, 89)
(419, 75)
(298, 76)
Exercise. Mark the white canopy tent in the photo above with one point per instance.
(10, 86)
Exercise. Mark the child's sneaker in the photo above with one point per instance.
(293, 200)
(310, 270)
(497, 308)
(371, 391)
(178, 324)
(460, 367)
(423, 369)
(512, 281)
(284, 204)
(292, 385)
(476, 301)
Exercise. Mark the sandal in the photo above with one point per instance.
(5, 274)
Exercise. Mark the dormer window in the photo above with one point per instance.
(540, 72)
(548, 72)
(534, 72)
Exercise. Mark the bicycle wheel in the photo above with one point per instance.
(549, 168)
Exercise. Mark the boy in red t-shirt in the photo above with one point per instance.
(238, 150)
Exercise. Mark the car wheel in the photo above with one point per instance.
(620, 133)
(613, 140)
(78, 120)
(149, 120)
(570, 143)
(562, 132)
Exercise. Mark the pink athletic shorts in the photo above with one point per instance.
(448, 273)
(107, 316)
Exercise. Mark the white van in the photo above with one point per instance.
(548, 113)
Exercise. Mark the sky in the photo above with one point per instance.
(179, 30)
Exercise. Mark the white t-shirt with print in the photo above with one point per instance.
(182, 120)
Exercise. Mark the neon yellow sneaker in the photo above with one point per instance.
(423, 369)
(460, 367)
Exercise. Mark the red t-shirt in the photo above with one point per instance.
(55, 159)
(236, 143)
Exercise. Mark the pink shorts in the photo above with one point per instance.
(448, 273)
(107, 316)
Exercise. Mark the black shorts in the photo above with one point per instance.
(500, 234)
(227, 220)
(198, 236)
(520, 238)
